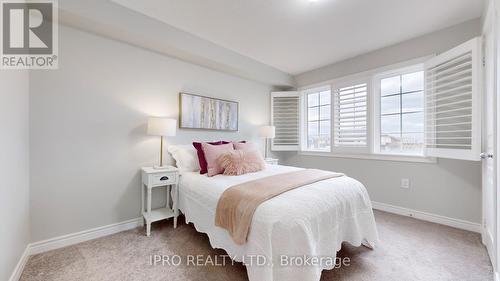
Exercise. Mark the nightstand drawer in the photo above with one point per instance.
(163, 178)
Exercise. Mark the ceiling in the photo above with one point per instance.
(296, 36)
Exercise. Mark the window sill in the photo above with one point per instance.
(375, 156)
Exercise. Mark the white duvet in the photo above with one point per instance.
(310, 221)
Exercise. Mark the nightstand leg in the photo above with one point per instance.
(142, 198)
(175, 204)
(175, 216)
(148, 221)
(169, 188)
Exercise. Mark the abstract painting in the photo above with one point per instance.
(199, 112)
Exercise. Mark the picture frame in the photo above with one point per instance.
(199, 112)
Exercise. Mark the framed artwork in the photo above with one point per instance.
(200, 112)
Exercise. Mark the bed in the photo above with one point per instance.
(310, 221)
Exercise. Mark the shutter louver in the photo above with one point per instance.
(285, 108)
(350, 116)
(452, 103)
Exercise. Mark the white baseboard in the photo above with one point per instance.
(16, 274)
(457, 223)
(71, 239)
(82, 236)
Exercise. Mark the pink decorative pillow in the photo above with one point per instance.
(201, 155)
(212, 152)
(244, 146)
(239, 162)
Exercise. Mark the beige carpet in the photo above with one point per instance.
(409, 250)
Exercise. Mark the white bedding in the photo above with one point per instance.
(311, 221)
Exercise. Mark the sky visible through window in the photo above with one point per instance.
(402, 113)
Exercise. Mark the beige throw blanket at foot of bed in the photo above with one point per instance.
(238, 203)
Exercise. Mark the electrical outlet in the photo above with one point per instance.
(405, 183)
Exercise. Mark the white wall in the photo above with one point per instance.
(88, 137)
(113, 20)
(449, 188)
(435, 42)
(14, 169)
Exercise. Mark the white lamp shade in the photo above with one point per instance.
(162, 126)
(267, 132)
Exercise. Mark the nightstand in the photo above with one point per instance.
(152, 178)
(271, 161)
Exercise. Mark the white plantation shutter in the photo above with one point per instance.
(285, 109)
(453, 103)
(350, 116)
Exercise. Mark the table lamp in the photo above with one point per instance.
(267, 132)
(163, 127)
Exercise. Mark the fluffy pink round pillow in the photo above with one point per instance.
(239, 162)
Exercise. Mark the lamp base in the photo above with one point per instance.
(157, 167)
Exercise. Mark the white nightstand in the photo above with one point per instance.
(151, 178)
(271, 161)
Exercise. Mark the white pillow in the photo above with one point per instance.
(185, 156)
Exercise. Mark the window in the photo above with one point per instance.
(285, 108)
(430, 107)
(453, 102)
(318, 120)
(350, 116)
(401, 119)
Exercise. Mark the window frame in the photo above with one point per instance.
(304, 117)
(369, 153)
(376, 104)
